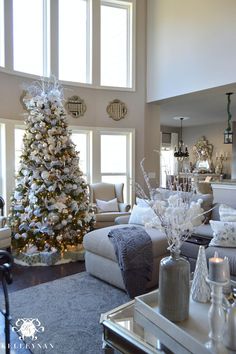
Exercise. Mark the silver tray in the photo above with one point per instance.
(188, 336)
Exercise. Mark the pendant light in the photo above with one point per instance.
(181, 152)
(228, 134)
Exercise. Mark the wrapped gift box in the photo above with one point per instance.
(49, 258)
(30, 258)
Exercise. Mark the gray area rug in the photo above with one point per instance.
(69, 309)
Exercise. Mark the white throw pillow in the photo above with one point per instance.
(224, 233)
(227, 213)
(106, 206)
(141, 216)
(143, 203)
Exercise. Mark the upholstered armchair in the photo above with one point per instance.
(108, 202)
(5, 231)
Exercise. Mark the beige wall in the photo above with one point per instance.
(190, 46)
(97, 100)
(214, 133)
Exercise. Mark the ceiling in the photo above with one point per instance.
(203, 107)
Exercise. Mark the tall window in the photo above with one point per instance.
(116, 49)
(19, 133)
(1, 159)
(115, 159)
(168, 163)
(71, 39)
(81, 141)
(74, 40)
(2, 42)
(29, 36)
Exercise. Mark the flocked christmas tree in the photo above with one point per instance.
(50, 205)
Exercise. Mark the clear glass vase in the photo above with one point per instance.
(174, 287)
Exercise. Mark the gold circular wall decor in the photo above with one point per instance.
(117, 109)
(75, 106)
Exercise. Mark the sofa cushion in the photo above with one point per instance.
(203, 230)
(106, 206)
(227, 213)
(141, 216)
(5, 237)
(207, 201)
(215, 212)
(224, 252)
(97, 242)
(109, 216)
(224, 233)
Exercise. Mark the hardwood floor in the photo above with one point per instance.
(24, 277)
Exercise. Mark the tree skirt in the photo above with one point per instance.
(73, 254)
(66, 313)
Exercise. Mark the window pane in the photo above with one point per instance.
(28, 36)
(19, 133)
(73, 40)
(113, 153)
(115, 48)
(2, 43)
(80, 140)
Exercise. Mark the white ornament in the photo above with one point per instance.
(38, 136)
(34, 186)
(18, 195)
(45, 175)
(200, 289)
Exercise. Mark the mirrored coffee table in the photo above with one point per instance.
(138, 327)
(122, 331)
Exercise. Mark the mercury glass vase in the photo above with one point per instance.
(174, 287)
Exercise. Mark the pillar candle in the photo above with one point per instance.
(217, 269)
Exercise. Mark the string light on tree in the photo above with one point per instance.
(50, 205)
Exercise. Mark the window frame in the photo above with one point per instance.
(129, 6)
(130, 151)
(88, 133)
(88, 73)
(50, 49)
(46, 48)
(7, 172)
(2, 34)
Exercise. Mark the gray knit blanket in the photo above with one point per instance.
(133, 248)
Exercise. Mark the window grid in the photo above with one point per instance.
(2, 34)
(127, 6)
(50, 57)
(74, 40)
(91, 173)
(28, 18)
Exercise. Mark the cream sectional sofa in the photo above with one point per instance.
(101, 261)
(100, 258)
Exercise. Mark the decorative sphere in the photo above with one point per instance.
(38, 136)
(45, 174)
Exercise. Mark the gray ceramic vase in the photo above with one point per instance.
(174, 287)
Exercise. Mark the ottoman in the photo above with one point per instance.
(100, 258)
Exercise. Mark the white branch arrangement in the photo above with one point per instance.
(176, 216)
